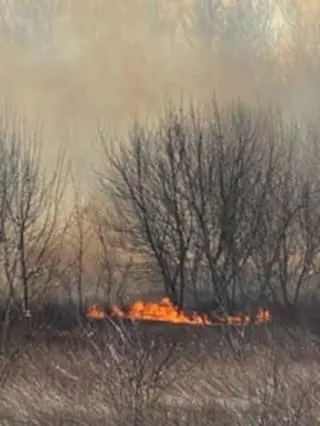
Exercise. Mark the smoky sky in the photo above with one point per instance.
(71, 66)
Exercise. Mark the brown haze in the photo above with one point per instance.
(75, 65)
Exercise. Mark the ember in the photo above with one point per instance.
(165, 311)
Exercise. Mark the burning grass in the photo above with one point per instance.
(165, 311)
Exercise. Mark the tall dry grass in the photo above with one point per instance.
(137, 375)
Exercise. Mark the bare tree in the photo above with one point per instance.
(216, 199)
(153, 198)
(30, 199)
(97, 265)
(77, 243)
(115, 260)
(287, 236)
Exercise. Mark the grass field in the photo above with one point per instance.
(114, 373)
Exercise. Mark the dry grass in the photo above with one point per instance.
(160, 374)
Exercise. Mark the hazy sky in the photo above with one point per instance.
(74, 65)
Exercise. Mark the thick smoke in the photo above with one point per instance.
(74, 66)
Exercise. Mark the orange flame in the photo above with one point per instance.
(165, 311)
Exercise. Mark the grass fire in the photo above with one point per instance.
(166, 311)
(160, 212)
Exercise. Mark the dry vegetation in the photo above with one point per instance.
(216, 206)
(147, 374)
(227, 222)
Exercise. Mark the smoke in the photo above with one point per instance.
(75, 66)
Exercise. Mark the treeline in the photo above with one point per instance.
(221, 204)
